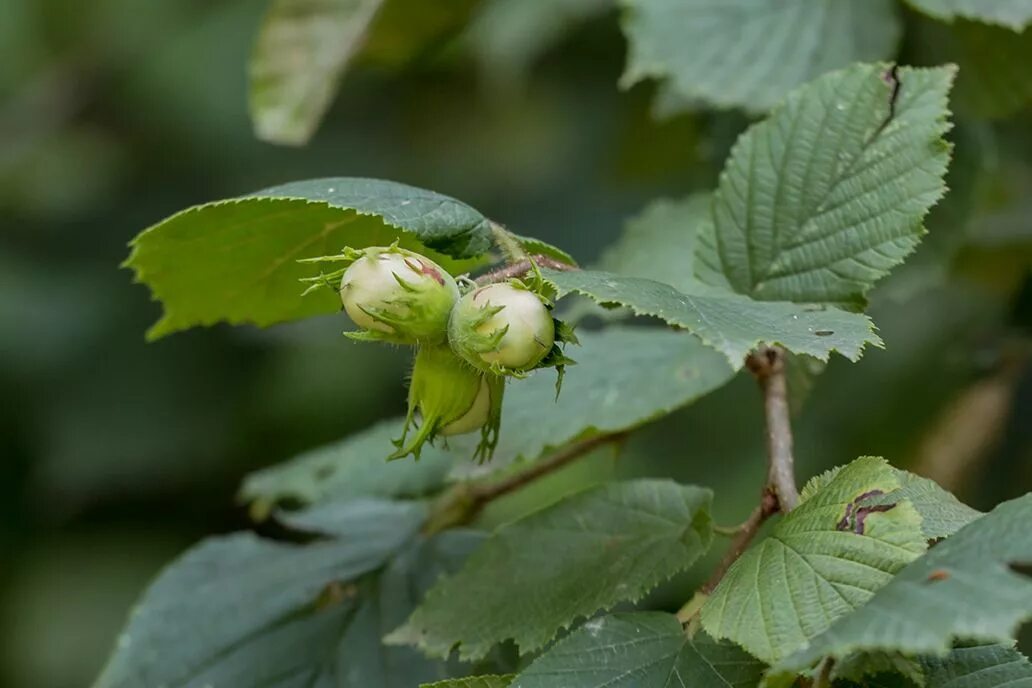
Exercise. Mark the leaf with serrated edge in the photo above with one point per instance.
(731, 323)
(749, 53)
(640, 650)
(1014, 14)
(297, 61)
(962, 588)
(241, 610)
(825, 196)
(942, 514)
(816, 566)
(586, 553)
(237, 260)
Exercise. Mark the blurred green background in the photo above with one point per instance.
(117, 454)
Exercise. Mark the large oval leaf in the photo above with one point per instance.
(236, 260)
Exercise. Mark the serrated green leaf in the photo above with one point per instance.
(351, 467)
(297, 61)
(978, 666)
(474, 682)
(1014, 14)
(577, 557)
(242, 610)
(821, 561)
(820, 200)
(236, 260)
(750, 53)
(942, 514)
(640, 650)
(962, 588)
(731, 323)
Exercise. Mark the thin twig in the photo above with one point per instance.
(485, 493)
(767, 364)
(779, 494)
(465, 501)
(521, 268)
(823, 679)
(767, 507)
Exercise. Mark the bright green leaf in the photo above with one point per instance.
(474, 682)
(1014, 14)
(942, 514)
(298, 59)
(731, 323)
(241, 610)
(352, 467)
(586, 553)
(822, 560)
(236, 260)
(640, 650)
(964, 587)
(750, 53)
(823, 198)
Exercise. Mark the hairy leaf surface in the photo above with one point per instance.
(640, 650)
(822, 560)
(820, 200)
(731, 323)
(568, 561)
